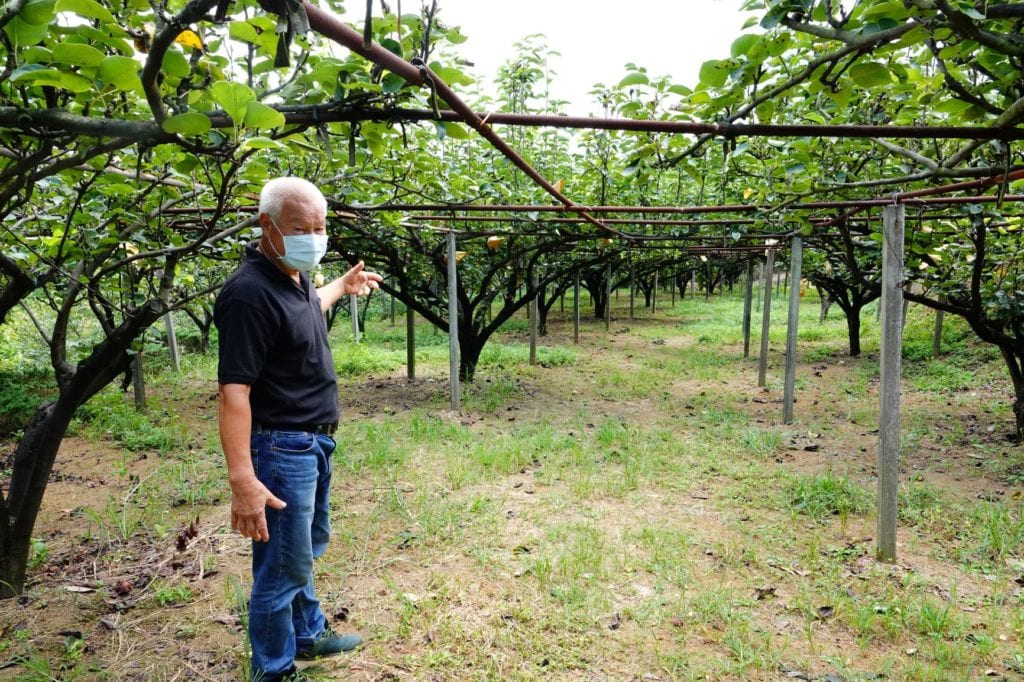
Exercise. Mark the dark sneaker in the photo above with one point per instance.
(328, 644)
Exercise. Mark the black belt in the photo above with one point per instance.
(326, 429)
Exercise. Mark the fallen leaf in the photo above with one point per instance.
(78, 589)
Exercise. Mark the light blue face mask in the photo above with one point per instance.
(302, 252)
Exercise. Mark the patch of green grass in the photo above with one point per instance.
(938, 376)
(515, 324)
(759, 442)
(376, 446)
(491, 395)
(355, 359)
(997, 530)
(168, 595)
(508, 355)
(663, 552)
(921, 504)
(826, 495)
(110, 415)
(21, 394)
(195, 482)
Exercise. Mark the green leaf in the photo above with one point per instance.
(244, 31)
(260, 143)
(392, 46)
(841, 96)
(22, 33)
(635, 78)
(36, 55)
(744, 44)
(680, 90)
(37, 12)
(187, 163)
(75, 83)
(189, 123)
(870, 74)
(700, 97)
(77, 54)
(25, 72)
(892, 9)
(233, 98)
(714, 73)
(456, 131)
(35, 73)
(175, 64)
(455, 37)
(451, 76)
(972, 12)
(392, 83)
(121, 72)
(86, 8)
(258, 115)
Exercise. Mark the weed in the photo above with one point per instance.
(762, 443)
(38, 553)
(193, 483)
(491, 395)
(999, 530)
(826, 495)
(108, 414)
(21, 394)
(169, 595)
(354, 359)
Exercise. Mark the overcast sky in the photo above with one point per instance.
(596, 38)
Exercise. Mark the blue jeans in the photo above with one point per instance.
(283, 612)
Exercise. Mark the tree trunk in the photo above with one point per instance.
(469, 356)
(33, 462)
(853, 329)
(826, 303)
(1015, 363)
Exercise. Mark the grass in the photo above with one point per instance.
(825, 495)
(630, 508)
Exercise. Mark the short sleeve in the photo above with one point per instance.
(246, 334)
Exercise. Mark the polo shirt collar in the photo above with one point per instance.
(261, 262)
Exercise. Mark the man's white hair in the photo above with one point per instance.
(276, 191)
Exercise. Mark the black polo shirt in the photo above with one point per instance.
(273, 338)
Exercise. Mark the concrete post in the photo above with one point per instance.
(789, 389)
(453, 323)
(893, 220)
(747, 295)
(766, 318)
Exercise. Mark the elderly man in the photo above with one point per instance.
(278, 413)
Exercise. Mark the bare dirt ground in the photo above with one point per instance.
(93, 609)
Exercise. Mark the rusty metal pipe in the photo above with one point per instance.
(335, 29)
(983, 183)
(733, 208)
(739, 129)
(306, 114)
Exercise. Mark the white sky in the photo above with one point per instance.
(596, 38)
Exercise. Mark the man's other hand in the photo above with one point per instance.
(248, 509)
